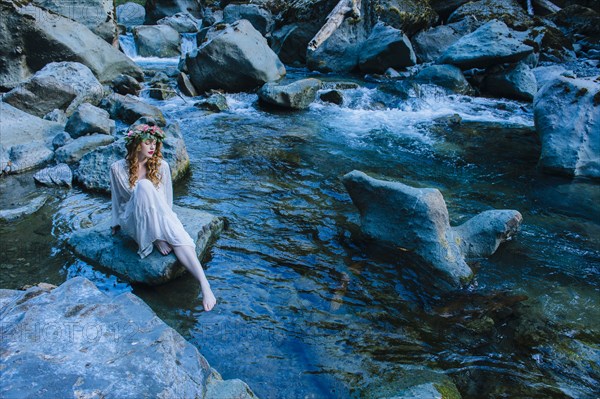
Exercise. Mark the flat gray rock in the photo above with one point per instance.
(119, 253)
(77, 342)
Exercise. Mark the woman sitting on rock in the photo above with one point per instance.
(142, 198)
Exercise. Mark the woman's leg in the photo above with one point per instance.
(187, 256)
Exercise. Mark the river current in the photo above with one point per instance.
(307, 307)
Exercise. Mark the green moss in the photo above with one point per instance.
(448, 390)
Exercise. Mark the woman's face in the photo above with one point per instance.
(147, 149)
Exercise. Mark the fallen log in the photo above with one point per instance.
(334, 20)
(547, 5)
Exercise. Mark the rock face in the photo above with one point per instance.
(59, 175)
(409, 16)
(181, 22)
(118, 253)
(77, 148)
(385, 48)
(446, 76)
(567, 119)
(158, 9)
(260, 18)
(235, 58)
(430, 44)
(297, 95)
(129, 109)
(81, 342)
(508, 11)
(88, 119)
(157, 41)
(59, 85)
(131, 14)
(517, 82)
(417, 220)
(37, 37)
(97, 15)
(492, 43)
(22, 149)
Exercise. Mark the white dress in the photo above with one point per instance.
(145, 212)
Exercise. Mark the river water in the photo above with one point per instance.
(307, 307)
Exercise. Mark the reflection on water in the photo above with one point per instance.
(309, 308)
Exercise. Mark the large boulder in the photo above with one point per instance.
(491, 44)
(289, 42)
(26, 139)
(129, 109)
(386, 47)
(36, 37)
(567, 118)
(182, 22)
(93, 171)
(81, 342)
(576, 19)
(515, 82)
(158, 9)
(131, 14)
(97, 15)
(296, 95)
(76, 149)
(416, 219)
(260, 18)
(157, 41)
(409, 16)
(118, 253)
(508, 11)
(235, 57)
(59, 85)
(430, 44)
(446, 76)
(88, 119)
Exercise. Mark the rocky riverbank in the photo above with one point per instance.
(66, 80)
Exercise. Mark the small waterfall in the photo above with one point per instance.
(188, 42)
(128, 45)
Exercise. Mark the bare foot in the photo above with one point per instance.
(208, 299)
(163, 247)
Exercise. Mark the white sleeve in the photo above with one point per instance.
(114, 196)
(167, 184)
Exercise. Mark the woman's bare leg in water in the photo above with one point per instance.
(187, 256)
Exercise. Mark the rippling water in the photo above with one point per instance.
(309, 308)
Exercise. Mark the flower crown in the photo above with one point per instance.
(145, 132)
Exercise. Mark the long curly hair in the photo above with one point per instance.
(152, 165)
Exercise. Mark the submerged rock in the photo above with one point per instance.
(567, 118)
(81, 342)
(416, 219)
(118, 253)
(31, 206)
(296, 95)
(235, 57)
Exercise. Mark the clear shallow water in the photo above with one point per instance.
(308, 308)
